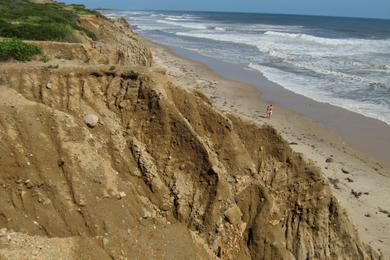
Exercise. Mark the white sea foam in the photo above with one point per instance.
(235, 38)
(178, 18)
(184, 24)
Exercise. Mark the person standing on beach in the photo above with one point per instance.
(269, 111)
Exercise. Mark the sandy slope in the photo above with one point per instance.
(361, 173)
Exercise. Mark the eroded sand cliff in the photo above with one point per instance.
(163, 174)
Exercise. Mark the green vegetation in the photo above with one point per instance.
(17, 49)
(200, 227)
(112, 67)
(52, 21)
(131, 74)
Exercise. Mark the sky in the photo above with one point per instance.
(348, 8)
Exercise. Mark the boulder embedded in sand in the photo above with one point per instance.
(233, 215)
(91, 120)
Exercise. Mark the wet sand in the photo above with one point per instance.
(359, 147)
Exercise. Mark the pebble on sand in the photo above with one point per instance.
(91, 120)
(329, 160)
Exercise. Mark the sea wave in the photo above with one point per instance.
(235, 38)
(326, 41)
(184, 17)
(184, 24)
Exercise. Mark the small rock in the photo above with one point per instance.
(233, 215)
(345, 171)
(29, 184)
(367, 215)
(122, 104)
(357, 194)
(60, 162)
(335, 182)
(165, 207)
(91, 120)
(383, 211)
(82, 203)
(105, 241)
(182, 167)
(349, 179)
(121, 195)
(147, 214)
(49, 86)
(329, 160)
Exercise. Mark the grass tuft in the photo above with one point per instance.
(131, 74)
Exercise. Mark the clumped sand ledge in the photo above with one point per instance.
(160, 162)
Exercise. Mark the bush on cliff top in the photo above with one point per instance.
(131, 74)
(18, 50)
(53, 21)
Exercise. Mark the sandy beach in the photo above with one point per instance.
(355, 163)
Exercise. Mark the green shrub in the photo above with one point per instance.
(200, 227)
(112, 67)
(17, 49)
(131, 74)
(41, 31)
(53, 21)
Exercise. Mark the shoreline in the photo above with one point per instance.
(306, 136)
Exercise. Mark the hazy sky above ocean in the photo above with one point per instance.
(348, 8)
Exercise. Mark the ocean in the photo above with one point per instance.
(341, 61)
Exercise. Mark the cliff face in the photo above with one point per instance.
(162, 174)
